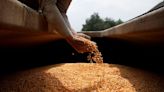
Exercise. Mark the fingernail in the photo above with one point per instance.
(94, 42)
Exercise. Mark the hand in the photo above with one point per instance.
(80, 34)
(84, 35)
(80, 44)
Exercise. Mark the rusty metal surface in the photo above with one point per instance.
(14, 13)
(16, 38)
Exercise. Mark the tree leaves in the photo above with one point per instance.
(96, 23)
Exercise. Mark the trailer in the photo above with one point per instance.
(137, 43)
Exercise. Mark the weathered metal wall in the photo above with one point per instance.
(146, 28)
(14, 13)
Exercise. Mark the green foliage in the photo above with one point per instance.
(119, 22)
(96, 23)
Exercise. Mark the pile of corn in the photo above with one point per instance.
(82, 77)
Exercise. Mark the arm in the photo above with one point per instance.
(59, 23)
(56, 21)
(72, 30)
(68, 23)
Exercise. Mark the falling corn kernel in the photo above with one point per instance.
(94, 54)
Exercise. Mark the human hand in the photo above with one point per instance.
(81, 44)
(80, 34)
(84, 35)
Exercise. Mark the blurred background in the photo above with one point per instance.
(81, 10)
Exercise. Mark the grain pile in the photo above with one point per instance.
(82, 77)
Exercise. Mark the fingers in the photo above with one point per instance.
(94, 42)
(80, 45)
(84, 35)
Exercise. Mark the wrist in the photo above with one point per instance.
(69, 38)
(74, 33)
